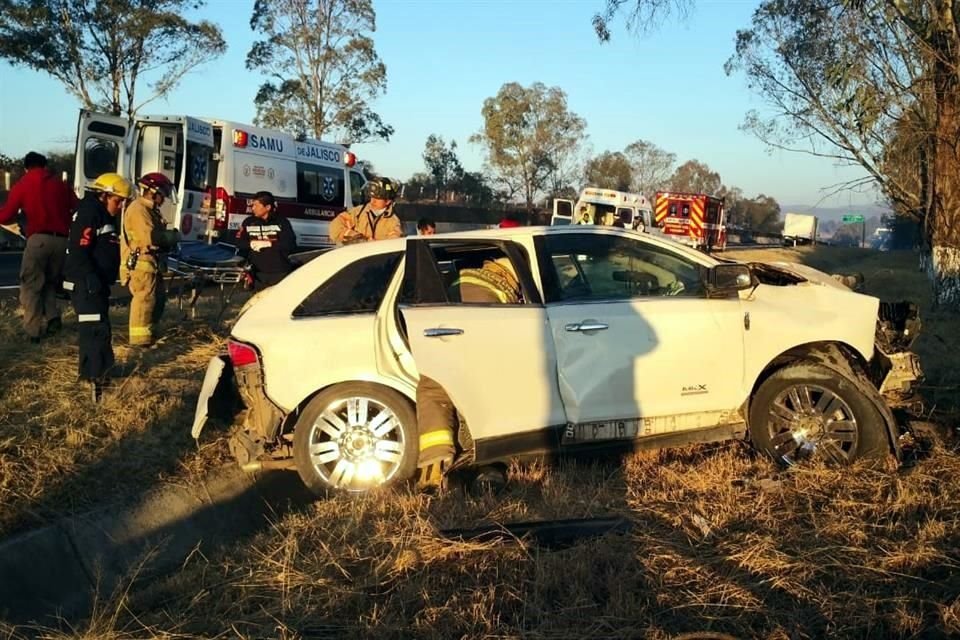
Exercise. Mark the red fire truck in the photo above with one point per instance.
(695, 219)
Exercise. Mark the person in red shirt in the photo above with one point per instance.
(47, 203)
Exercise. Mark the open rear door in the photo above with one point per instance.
(496, 361)
(562, 212)
(101, 148)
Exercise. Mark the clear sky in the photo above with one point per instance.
(444, 57)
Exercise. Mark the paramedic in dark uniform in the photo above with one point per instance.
(92, 265)
(266, 240)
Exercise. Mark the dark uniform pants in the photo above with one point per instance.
(96, 338)
(265, 279)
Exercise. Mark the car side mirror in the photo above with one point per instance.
(729, 278)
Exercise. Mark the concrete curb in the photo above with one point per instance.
(58, 569)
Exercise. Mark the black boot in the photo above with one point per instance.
(54, 326)
(96, 391)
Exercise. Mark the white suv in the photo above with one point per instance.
(620, 340)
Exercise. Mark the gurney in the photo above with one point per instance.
(198, 264)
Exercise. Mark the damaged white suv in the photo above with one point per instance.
(620, 340)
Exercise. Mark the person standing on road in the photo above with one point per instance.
(92, 265)
(266, 239)
(374, 220)
(426, 227)
(47, 202)
(144, 239)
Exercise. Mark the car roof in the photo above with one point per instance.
(518, 233)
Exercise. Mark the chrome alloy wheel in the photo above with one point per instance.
(807, 421)
(356, 444)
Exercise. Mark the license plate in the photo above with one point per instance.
(210, 380)
(596, 431)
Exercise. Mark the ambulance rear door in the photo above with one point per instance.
(101, 148)
(562, 212)
(180, 148)
(198, 177)
(157, 146)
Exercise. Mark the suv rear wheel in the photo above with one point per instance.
(354, 437)
(808, 411)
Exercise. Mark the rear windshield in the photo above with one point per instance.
(358, 287)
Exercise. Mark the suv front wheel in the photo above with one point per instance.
(354, 437)
(807, 411)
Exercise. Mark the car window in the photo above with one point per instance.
(458, 272)
(478, 274)
(586, 267)
(358, 287)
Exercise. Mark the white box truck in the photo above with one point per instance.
(799, 228)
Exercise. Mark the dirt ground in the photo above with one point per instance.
(721, 540)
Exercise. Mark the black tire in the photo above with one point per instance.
(834, 420)
(358, 448)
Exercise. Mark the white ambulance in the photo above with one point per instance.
(605, 207)
(217, 167)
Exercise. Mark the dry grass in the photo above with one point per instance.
(722, 541)
(59, 453)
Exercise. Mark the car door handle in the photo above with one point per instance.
(587, 325)
(439, 332)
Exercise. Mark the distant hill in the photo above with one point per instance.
(836, 213)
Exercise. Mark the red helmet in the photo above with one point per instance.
(157, 182)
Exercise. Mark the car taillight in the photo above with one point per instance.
(241, 354)
(221, 203)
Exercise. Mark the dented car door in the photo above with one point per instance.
(641, 349)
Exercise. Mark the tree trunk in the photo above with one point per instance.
(943, 218)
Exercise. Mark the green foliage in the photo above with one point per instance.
(609, 170)
(652, 166)
(696, 177)
(528, 133)
(442, 163)
(323, 67)
(103, 51)
(873, 83)
(754, 214)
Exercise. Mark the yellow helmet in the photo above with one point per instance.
(113, 183)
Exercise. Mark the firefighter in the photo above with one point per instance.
(144, 239)
(266, 240)
(374, 220)
(494, 283)
(92, 265)
(47, 203)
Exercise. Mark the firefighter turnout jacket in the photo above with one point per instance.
(93, 261)
(362, 223)
(93, 252)
(144, 232)
(267, 244)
